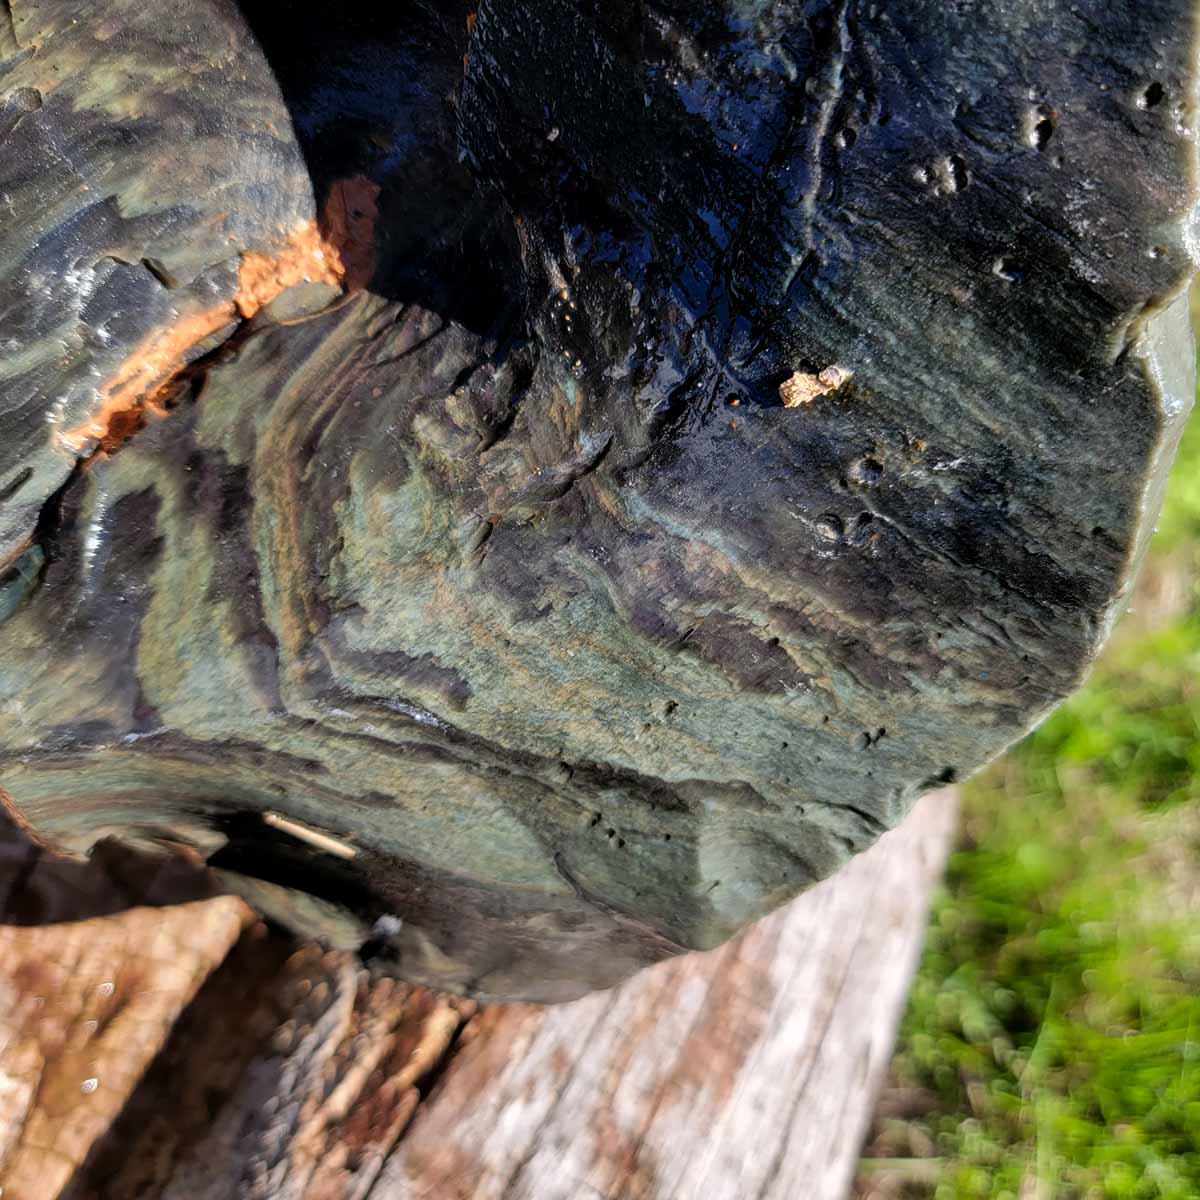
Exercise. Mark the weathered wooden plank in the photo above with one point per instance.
(744, 1074)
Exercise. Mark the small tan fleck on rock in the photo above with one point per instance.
(802, 388)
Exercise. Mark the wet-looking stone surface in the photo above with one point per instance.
(527, 488)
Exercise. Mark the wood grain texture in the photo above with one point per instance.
(748, 1073)
(297, 1091)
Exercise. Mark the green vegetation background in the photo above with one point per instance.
(1051, 1046)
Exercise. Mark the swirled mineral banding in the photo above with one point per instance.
(529, 488)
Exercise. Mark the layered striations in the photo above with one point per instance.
(533, 511)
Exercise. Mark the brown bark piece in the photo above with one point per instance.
(84, 1008)
(292, 1075)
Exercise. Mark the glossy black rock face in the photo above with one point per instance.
(742, 417)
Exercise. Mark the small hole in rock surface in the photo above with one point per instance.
(620, 843)
(866, 472)
(958, 173)
(612, 833)
(849, 137)
(666, 837)
(829, 526)
(1152, 96)
(1043, 128)
(1007, 270)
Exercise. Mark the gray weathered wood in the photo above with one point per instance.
(748, 1073)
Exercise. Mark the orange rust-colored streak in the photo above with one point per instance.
(11, 815)
(307, 256)
(144, 379)
(8, 559)
(348, 224)
(141, 378)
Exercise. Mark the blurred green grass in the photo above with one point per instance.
(1051, 1046)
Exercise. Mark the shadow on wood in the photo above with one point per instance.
(746, 1072)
